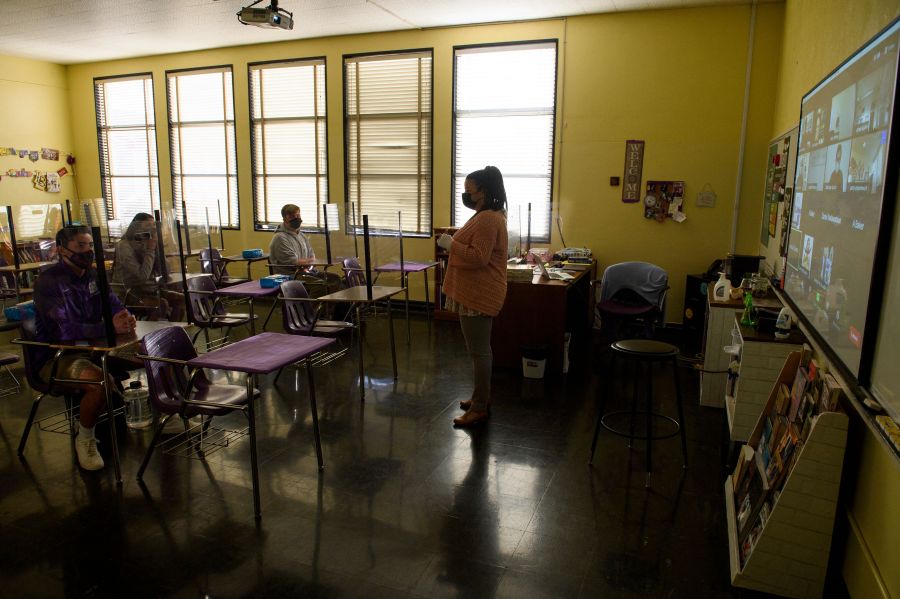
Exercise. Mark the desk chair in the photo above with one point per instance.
(211, 263)
(632, 299)
(355, 276)
(208, 313)
(300, 316)
(6, 360)
(173, 392)
(62, 422)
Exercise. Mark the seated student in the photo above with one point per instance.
(136, 267)
(68, 307)
(290, 253)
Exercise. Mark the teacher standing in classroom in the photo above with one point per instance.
(475, 283)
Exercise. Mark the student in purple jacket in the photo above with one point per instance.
(68, 307)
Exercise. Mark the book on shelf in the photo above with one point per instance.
(765, 462)
(757, 491)
(783, 399)
(745, 457)
(797, 391)
(830, 393)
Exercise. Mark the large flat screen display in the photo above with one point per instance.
(842, 161)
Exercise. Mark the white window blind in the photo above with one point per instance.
(288, 137)
(201, 138)
(387, 148)
(126, 135)
(504, 109)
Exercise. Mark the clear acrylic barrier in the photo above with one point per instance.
(5, 242)
(347, 239)
(35, 227)
(92, 213)
(202, 231)
(168, 240)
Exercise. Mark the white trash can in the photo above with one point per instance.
(534, 361)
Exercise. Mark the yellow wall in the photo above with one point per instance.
(34, 114)
(672, 78)
(818, 36)
(638, 75)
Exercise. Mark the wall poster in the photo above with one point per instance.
(776, 209)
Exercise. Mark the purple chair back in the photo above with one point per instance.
(354, 275)
(211, 263)
(168, 382)
(299, 317)
(32, 375)
(203, 305)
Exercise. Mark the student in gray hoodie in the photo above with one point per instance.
(290, 253)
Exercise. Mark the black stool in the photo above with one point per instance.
(644, 353)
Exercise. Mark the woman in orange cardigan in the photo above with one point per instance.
(475, 284)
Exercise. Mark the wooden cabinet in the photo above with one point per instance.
(541, 313)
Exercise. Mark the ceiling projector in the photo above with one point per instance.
(270, 16)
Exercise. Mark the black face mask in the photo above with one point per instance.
(468, 202)
(295, 223)
(82, 259)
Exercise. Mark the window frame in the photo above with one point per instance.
(175, 206)
(386, 231)
(257, 226)
(555, 112)
(106, 189)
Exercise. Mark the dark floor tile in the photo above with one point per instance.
(406, 505)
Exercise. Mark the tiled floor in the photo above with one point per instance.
(406, 506)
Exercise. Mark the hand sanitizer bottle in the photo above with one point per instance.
(722, 290)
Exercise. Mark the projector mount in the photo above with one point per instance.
(271, 16)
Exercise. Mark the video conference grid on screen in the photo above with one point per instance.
(841, 158)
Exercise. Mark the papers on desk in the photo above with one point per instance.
(519, 273)
(559, 275)
(524, 273)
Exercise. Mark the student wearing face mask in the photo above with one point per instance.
(291, 253)
(475, 283)
(68, 307)
(136, 268)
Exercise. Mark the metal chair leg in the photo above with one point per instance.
(34, 408)
(681, 423)
(152, 448)
(315, 414)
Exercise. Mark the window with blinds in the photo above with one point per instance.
(288, 137)
(202, 145)
(126, 136)
(387, 124)
(504, 107)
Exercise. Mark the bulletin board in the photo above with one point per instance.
(776, 206)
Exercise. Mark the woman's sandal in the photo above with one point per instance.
(465, 404)
(471, 418)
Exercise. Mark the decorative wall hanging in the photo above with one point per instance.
(664, 199)
(634, 165)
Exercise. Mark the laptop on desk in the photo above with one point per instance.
(554, 275)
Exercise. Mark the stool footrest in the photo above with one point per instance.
(622, 433)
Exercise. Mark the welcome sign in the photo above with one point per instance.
(634, 164)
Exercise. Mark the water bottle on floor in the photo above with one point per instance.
(137, 406)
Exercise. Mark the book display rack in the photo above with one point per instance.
(781, 498)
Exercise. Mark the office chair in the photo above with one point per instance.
(632, 300)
